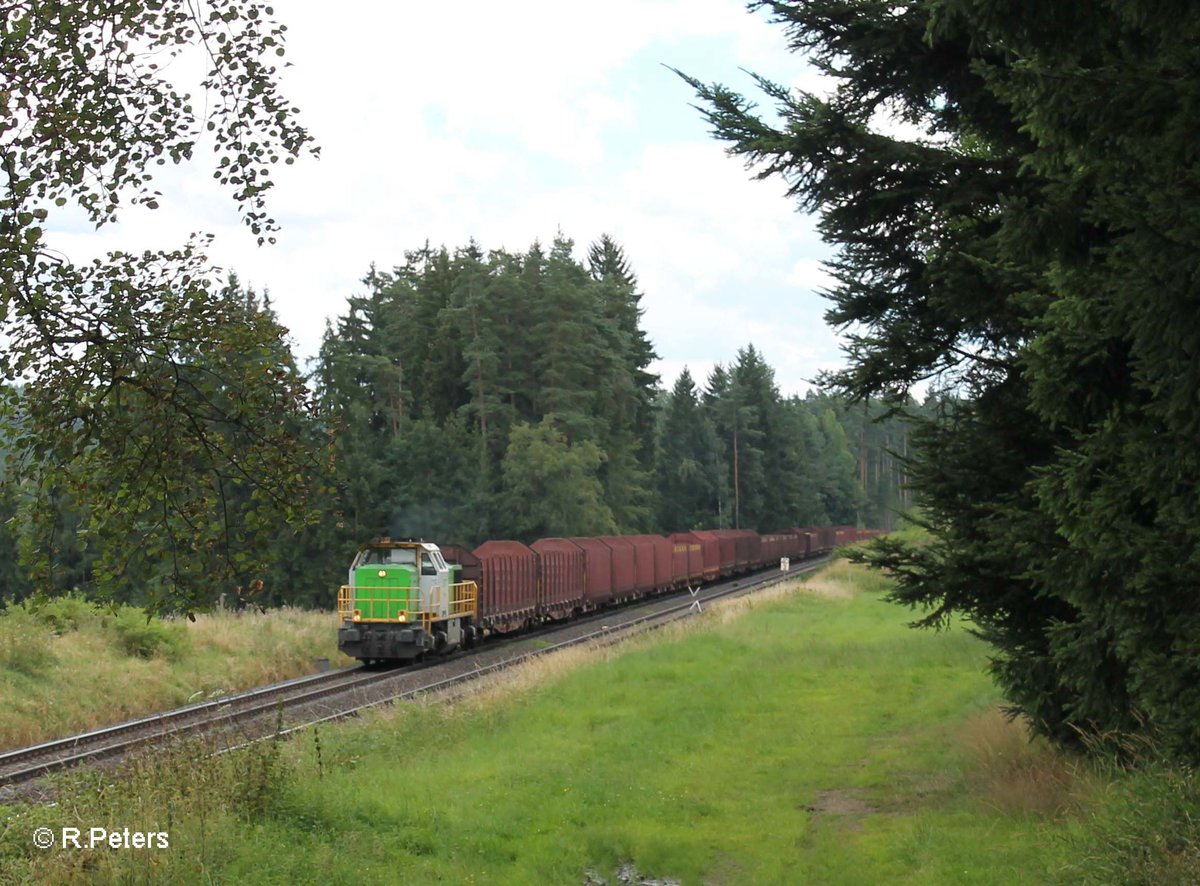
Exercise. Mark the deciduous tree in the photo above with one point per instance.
(137, 398)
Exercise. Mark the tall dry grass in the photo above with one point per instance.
(57, 679)
(1013, 771)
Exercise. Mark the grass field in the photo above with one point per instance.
(809, 738)
(70, 666)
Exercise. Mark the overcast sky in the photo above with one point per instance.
(509, 122)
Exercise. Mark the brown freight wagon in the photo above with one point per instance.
(769, 549)
(679, 563)
(823, 538)
(753, 543)
(725, 548)
(624, 566)
(790, 545)
(704, 555)
(687, 560)
(463, 557)
(827, 536)
(508, 585)
(598, 571)
(766, 548)
(641, 559)
(561, 577)
(794, 544)
(826, 539)
(774, 548)
(747, 548)
(797, 545)
(804, 543)
(814, 542)
(661, 555)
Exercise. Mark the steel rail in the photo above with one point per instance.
(201, 712)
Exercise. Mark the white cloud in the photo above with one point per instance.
(507, 122)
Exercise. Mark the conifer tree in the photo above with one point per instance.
(737, 422)
(610, 267)
(482, 349)
(475, 345)
(1036, 255)
(567, 337)
(690, 458)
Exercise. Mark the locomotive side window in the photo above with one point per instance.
(427, 567)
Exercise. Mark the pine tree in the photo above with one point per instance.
(841, 495)
(688, 480)
(567, 340)
(482, 351)
(621, 299)
(737, 423)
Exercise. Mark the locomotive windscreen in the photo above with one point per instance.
(387, 557)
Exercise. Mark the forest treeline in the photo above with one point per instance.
(470, 394)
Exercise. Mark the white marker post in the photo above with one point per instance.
(785, 564)
(695, 599)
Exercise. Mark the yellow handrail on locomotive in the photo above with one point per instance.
(405, 602)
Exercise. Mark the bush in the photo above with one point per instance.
(147, 636)
(63, 614)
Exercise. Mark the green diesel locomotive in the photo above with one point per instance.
(403, 600)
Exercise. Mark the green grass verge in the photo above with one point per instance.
(812, 739)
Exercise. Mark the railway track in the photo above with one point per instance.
(30, 762)
(605, 635)
(284, 708)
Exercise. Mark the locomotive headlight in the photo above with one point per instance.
(383, 573)
(403, 616)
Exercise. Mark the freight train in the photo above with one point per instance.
(405, 598)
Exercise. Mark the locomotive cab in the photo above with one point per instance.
(402, 600)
